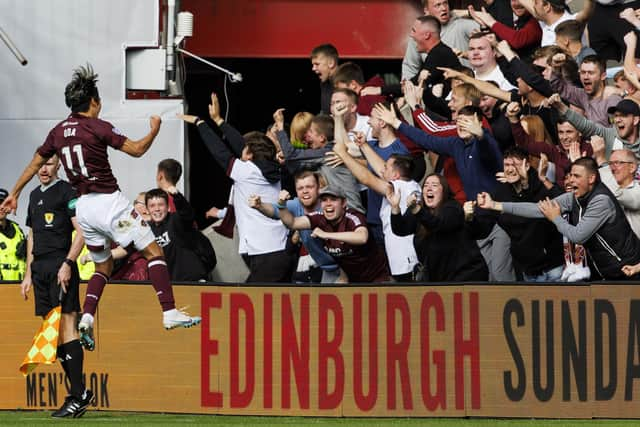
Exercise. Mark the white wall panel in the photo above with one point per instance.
(55, 37)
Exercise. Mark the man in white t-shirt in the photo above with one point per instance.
(249, 161)
(550, 13)
(353, 121)
(482, 57)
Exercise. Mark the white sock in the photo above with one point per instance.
(87, 318)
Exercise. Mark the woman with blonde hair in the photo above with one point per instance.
(299, 126)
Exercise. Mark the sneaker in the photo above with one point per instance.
(86, 336)
(74, 407)
(179, 319)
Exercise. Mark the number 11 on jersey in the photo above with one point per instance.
(68, 158)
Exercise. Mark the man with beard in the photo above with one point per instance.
(314, 264)
(593, 75)
(344, 234)
(596, 220)
(624, 133)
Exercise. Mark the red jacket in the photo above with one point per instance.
(529, 35)
(366, 103)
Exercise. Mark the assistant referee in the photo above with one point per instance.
(51, 265)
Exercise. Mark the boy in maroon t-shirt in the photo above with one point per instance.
(345, 235)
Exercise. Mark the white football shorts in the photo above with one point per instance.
(106, 218)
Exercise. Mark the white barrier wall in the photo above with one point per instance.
(56, 37)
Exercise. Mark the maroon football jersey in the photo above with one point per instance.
(81, 144)
(362, 263)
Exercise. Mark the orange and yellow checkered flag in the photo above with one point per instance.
(45, 343)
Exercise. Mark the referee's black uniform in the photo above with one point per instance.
(49, 216)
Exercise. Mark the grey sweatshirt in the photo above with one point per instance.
(598, 212)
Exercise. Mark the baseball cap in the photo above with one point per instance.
(626, 106)
(331, 190)
(3, 194)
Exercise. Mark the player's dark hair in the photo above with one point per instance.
(172, 170)
(260, 146)
(156, 193)
(82, 89)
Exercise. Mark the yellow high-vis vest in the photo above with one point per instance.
(11, 267)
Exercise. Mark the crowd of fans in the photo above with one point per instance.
(504, 154)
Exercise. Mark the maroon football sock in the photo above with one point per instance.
(94, 291)
(159, 275)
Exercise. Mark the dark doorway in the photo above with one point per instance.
(267, 84)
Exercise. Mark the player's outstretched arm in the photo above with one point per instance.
(10, 204)
(141, 146)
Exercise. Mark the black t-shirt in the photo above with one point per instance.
(440, 56)
(175, 236)
(49, 216)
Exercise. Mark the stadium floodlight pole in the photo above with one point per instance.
(5, 38)
(234, 77)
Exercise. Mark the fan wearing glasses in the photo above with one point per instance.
(619, 175)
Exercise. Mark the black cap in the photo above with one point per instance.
(331, 190)
(3, 194)
(626, 106)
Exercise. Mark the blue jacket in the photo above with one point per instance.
(477, 161)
